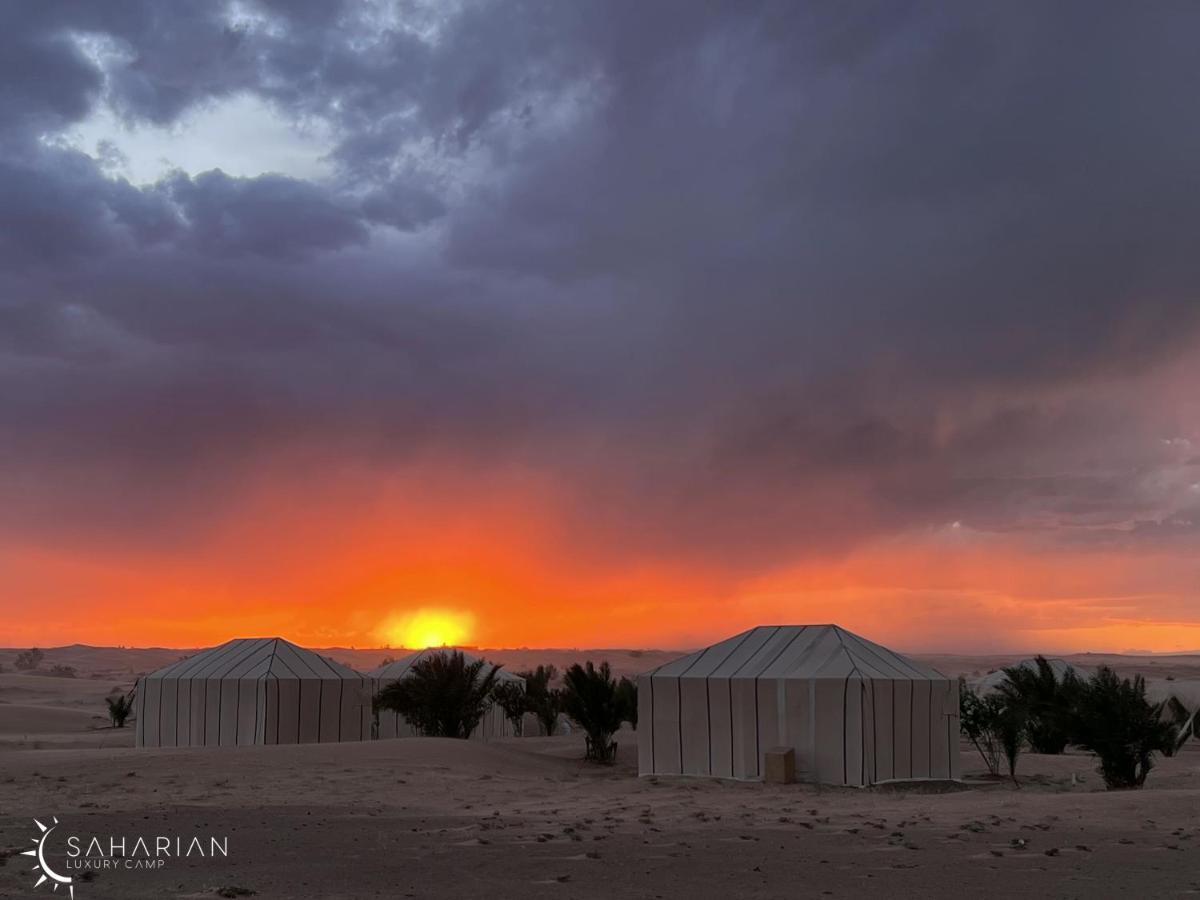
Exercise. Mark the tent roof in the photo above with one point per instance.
(797, 651)
(255, 658)
(399, 668)
(1060, 667)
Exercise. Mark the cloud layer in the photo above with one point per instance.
(733, 289)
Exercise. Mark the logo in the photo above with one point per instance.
(45, 872)
(88, 853)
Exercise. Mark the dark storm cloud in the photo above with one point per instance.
(831, 271)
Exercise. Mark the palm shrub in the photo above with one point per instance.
(627, 698)
(1115, 721)
(590, 699)
(28, 660)
(119, 708)
(540, 698)
(443, 695)
(1047, 703)
(510, 697)
(978, 719)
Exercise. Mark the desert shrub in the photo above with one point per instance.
(387, 661)
(443, 695)
(1046, 702)
(28, 660)
(541, 698)
(590, 699)
(977, 720)
(60, 671)
(119, 708)
(510, 697)
(996, 727)
(627, 698)
(1115, 721)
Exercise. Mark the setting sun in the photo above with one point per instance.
(428, 628)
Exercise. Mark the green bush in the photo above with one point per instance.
(590, 699)
(541, 698)
(1046, 702)
(995, 726)
(627, 697)
(443, 695)
(28, 660)
(1115, 721)
(119, 708)
(510, 697)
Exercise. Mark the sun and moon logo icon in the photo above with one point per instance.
(46, 873)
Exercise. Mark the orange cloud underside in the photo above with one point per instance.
(491, 567)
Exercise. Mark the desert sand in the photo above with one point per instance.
(528, 818)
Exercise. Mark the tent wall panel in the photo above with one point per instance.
(797, 714)
(720, 737)
(828, 751)
(212, 712)
(271, 709)
(288, 714)
(646, 717)
(693, 725)
(168, 713)
(902, 728)
(868, 728)
(246, 732)
(183, 712)
(767, 709)
(921, 694)
(329, 708)
(260, 706)
(853, 717)
(882, 693)
(942, 748)
(354, 696)
(198, 715)
(309, 711)
(228, 716)
(744, 733)
(150, 715)
(666, 727)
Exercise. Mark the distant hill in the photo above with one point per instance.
(122, 662)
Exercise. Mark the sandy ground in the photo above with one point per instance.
(527, 818)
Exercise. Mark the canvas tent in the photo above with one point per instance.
(991, 682)
(252, 691)
(854, 712)
(392, 725)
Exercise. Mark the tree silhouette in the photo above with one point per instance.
(443, 695)
(590, 699)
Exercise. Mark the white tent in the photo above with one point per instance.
(252, 691)
(854, 712)
(991, 682)
(392, 725)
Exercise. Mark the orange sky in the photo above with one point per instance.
(367, 564)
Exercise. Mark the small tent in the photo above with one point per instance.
(252, 691)
(494, 723)
(991, 682)
(854, 712)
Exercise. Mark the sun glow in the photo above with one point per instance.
(423, 628)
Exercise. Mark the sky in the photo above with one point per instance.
(599, 324)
